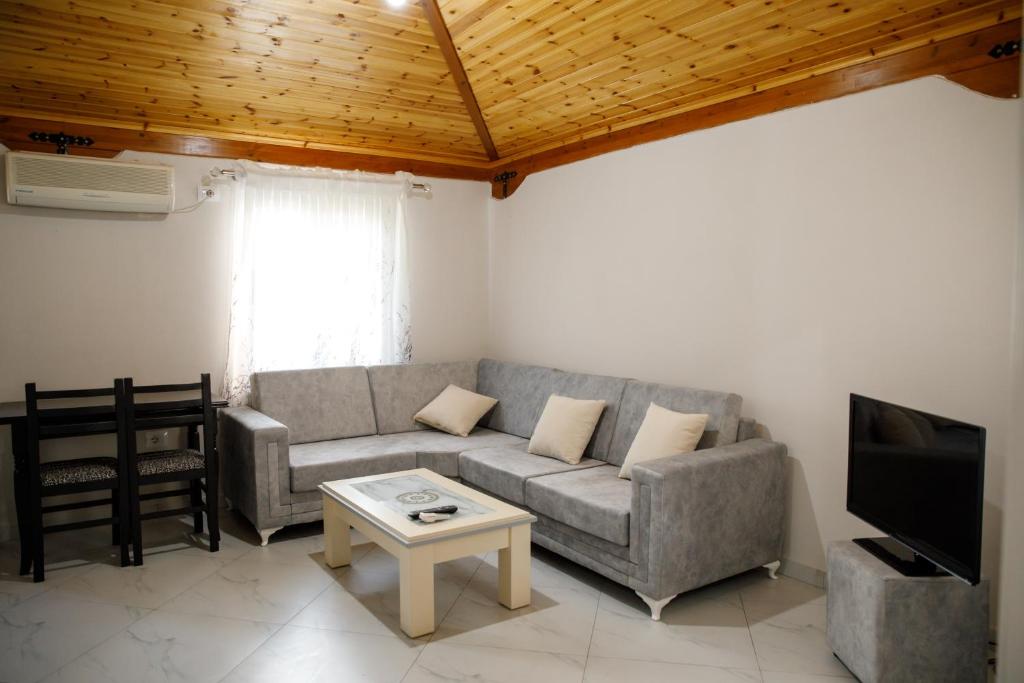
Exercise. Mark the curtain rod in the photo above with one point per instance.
(231, 173)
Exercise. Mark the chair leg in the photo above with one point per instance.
(38, 574)
(212, 516)
(24, 528)
(124, 525)
(195, 495)
(136, 523)
(21, 497)
(115, 514)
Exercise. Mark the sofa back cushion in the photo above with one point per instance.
(401, 391)
(723, 411)
(318, 404)
(523, 391)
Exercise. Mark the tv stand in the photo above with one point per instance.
(885, 626)
(899, 557)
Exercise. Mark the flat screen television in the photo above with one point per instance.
(920, 479)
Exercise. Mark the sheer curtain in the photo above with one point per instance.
(319, 272)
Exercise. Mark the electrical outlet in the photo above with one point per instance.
(209, 193)
(157, 441)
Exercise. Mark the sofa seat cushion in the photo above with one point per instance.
(311, 464)
(504, 470)
(594, 500)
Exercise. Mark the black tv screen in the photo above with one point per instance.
(920, 479)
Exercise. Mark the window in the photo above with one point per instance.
(319, 272)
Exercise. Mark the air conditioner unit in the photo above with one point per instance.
(67, 182)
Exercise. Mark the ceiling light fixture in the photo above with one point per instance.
(396, 3)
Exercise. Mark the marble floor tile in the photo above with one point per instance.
(159, 579)
(791, 639)
(309, 655)
(41, 634)
(558, 620)
(606, 670)
(448, 663)
(254, 590)
(756, 586)
(166, 646)
(691, 631)
(305, 548)
(365, 597)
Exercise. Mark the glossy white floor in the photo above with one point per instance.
(279, 614)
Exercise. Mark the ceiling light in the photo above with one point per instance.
(396, 3)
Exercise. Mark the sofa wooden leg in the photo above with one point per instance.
(656, 605)
(772, 568)
(265, 534)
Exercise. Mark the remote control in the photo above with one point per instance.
(441, 509)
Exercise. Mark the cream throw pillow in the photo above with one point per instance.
(565, 428)
(663, 433)
(455, 410)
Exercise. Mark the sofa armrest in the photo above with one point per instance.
(711, 514)
(254, 450)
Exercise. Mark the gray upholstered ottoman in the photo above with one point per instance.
(886, 627)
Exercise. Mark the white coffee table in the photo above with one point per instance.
(378, 505)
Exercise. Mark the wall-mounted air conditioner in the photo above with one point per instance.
(69, 182)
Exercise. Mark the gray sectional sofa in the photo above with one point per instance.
(680, 523)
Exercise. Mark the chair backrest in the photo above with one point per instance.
(137, 409)
(74, 415)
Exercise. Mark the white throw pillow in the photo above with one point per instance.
(565, 428)
(455, 410)
(663, 433)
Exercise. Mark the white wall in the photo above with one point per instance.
(1011, 622)
(85, 297)
(859, 245)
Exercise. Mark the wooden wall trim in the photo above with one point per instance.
(963, 59)
(451, 56)
(14, 132)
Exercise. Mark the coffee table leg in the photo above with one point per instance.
(417, 591)
(337, 540)
(514, 569)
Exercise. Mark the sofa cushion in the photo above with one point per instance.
(565, 428)
(455, 410)
(401, 391)
(312, 464)
(317, 404)
(521, 390)
(607, 389)
(504, 470)
(723, 411)
(594, 500)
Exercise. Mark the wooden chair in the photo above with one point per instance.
(199, 470)
(64, 477)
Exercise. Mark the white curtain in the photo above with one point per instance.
(319, 272)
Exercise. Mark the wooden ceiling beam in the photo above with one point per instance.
(964, 59)
(108, 142)
(451, 56)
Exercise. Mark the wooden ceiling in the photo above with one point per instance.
(474, 85)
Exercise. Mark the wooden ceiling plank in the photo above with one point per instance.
(398, 71)
(238, 89)
(663, 94)
(80, 123)
(667, 46)
(610, 118)
(952, 56)
(570, 48)
(14, 131)
(436, 21)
